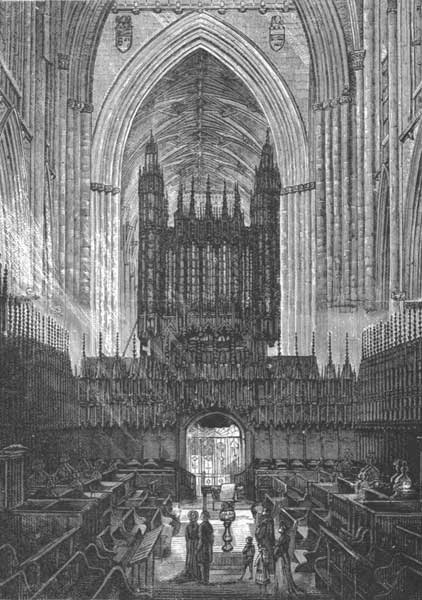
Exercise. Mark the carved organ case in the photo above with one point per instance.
(210, 266)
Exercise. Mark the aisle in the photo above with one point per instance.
(225, 569)
(226, 565)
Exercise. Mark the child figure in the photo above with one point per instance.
(262, 574)
(248, 554)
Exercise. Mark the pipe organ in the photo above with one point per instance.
(210, 264)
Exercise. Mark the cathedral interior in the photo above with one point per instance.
(210, 299)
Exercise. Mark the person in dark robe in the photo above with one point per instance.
(192, 571)
(265, 536)
(282, 553)
(205, 547)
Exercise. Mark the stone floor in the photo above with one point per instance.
(226, 567)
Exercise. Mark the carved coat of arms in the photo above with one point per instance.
(277, 33)
(123, 31)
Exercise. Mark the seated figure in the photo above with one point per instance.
(369, 476)
(344, 466)
(65, 473)
(87, 469)
(397, 472)
(39, 478)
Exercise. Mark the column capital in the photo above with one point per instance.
(357, 59)
(300, 187)
(106, 188)
(87, 107)
(74, 104)
(63, 61)
(319, 106)
(391, 6)
(345, 98)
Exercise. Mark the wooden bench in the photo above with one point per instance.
(75, 573)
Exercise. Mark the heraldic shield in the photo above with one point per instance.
(123, 32)
(277, 33)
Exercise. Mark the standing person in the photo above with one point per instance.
(257, 510)
(192, 539)
(206, 541)
(282, 552)
(248, 554)
(262, 574)
(265, 536)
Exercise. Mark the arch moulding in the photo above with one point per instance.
(246, 432)
(412, 222)
(186, 35)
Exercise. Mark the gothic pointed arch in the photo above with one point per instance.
(188, 34)
(327, 45)
(233, 49)
(413, 223)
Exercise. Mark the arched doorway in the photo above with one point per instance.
(215, 449)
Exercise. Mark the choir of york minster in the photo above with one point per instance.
(210, 299)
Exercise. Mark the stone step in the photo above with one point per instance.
(238, 591)
(229, 559)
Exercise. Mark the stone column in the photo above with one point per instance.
(296, 262)
(308, 242)
(320, 228)
(346, 203)
(369, 151)
(329, 201)
(110, 269)
(78, 106)
(115, 196)
(358, 255)
(94, 267)
(302, 283)
(69, 198)
(313, 254)
(27, 73)
(337, 257)
(38, 153)
(291, 272)
(284, 271)
(102, 263)
(63, 61)
(394, 190)
(85, 206)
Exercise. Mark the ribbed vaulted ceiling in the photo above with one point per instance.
(205, 120)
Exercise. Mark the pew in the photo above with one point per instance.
(74, 579)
